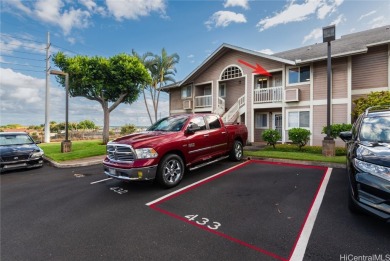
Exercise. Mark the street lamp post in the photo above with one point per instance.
(66, 145)
(328, 144)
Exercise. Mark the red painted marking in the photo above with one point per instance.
(257, 69)
(154, 206)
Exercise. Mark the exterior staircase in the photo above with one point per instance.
(232, 114)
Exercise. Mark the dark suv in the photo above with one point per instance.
(368, 162)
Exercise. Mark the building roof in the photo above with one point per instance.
(346, 45)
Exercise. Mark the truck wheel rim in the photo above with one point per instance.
(172, 171)
(238, 151)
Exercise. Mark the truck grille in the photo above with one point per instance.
(14, 158)
(119, 152)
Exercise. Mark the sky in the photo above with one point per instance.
(192, 29)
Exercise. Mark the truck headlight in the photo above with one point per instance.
(146, 153)
(376, 170)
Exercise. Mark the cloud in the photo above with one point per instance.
(367, 14)
(54, 12)
(266, 51)
(300, 12)
(378, 22)
(317, 33)
(314, 34)
(190, 56)
(224, 19)
(133, 9)
(239, 3)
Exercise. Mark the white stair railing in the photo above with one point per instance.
(232, 114)
(220, 107)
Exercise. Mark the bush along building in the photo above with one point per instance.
(288, 89)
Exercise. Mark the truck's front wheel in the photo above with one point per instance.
(170, 171)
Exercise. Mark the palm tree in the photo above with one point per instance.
(147, 60)
(162, 69)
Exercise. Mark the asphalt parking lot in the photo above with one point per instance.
(255, 210)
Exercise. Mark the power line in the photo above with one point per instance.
(26, 70)
(24, 46)
(20, 38)
(19, 64)
(64, 49)
(11, 56)
(16, 51)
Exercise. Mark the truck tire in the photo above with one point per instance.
(237, 152)
(170, 171)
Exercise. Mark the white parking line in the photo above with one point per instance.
(100, 181)
(301, 244)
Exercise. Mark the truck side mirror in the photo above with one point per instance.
(192, 128)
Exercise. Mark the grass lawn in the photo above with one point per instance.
(80, 149)
(286, 151)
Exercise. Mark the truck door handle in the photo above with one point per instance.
(205, 135)
(224, 132)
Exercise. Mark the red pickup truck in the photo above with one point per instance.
(171, 146)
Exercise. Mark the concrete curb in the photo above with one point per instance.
(75, 163)
(303, 162)
(99, 159)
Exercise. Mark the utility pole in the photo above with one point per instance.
(47, 121)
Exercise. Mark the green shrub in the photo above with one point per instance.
(271, 137)
(128, 129)
(335, 129)
(299, 136)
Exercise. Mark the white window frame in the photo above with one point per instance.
(186, 87)
(256, 123)
(298, 111)
(297, 83)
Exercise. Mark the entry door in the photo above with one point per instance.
(277, 122)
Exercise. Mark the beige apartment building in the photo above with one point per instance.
(294, 94)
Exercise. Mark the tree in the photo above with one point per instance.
(372, 99)
(109, 81)
(162, 69)
(86, 125)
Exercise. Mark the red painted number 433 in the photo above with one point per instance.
(203, 221)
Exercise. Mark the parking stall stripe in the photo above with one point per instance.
(303, 238)
(235, 240)
(102, 180)
(194, 185)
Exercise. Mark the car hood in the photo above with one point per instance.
(146, 139)
(378, 154)
(17, 150)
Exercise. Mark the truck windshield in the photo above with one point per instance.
(169, 124)
(376, 129)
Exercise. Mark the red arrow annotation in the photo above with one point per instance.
(257, 69)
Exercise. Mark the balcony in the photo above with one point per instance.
(203, 101)
(272, 94)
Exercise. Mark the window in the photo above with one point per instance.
(186, 92)
(299, 119)
(299, 74)
(231, 73)
(200, 122)
(261, 82)
(261, 120)
(222, 90)
(207, 90)
(213, 122)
